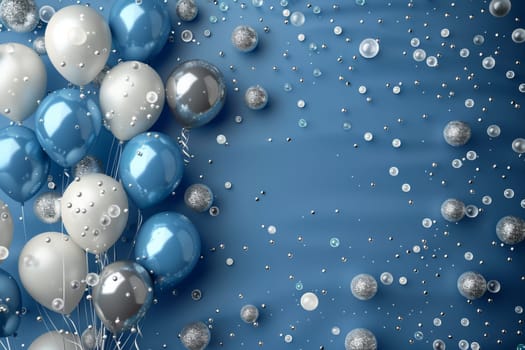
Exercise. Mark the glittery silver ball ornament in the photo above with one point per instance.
(457, 133)
(249, 313)
(363, 286)
(195, 336)
(245, 38)
(472, 285)
(499, 8)
(187, 10)
(453, 210)
(47, 207)
(360, 339)
(88, 165)
(19, 15)
(198, 197)
(89, 340)
(511, 230)
(256, 97)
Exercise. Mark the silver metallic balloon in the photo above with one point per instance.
(472, 285)
(196, 92)
(360, 339)
(499, 8)
(195, 336)
(457, 133)
(256, 97)
(95, 211)
(52, 268)
(244, 38)
(511, 230)
(249, 313)
(19, 15)
(47, 207)
(6, 230)
(131, 99)
(56, 341)
(198, 197)
(88, 165)
(453, 210)
(123, 295)
(187, 10)
(363, 286)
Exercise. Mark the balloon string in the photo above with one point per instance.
(74, 327)
(8, 344)
(140, 218)
(4, 346)
(116, 161)
(139, 334)
(184, 142)
(24, 221)
(110, 152)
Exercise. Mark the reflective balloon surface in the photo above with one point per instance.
(23, 83)
(6, 230)
(52, 268)
(78, 43)
(143, 153)
(24, 165)
(10, 303)
(196, 92)
(168, 245)
(94, 212)
(123, 295)
(56, 341)
(131, 99)
(140, 28)
(66, 125)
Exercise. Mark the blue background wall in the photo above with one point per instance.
(322, 181)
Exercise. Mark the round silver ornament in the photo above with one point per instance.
(472, 285)
(88, 165)
(249, 313)
(363, 286)
(499, 8)
(19, 15)
(198, 197)
(457, 133)
(47, 207)
(511, 230)
(518, 35)
(360, 339)
(244, 38)
(195, 336)
(187, 10)
(256, 97)
(453, 210)
(90, 340)
(369, 48)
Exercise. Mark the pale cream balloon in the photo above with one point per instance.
(23, 83)
(78, 43)
(52, 269)
(56, 340)
(95, 211)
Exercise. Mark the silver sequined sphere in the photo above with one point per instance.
(198, 197)
(88, 165)
(89, 340)
(249, 313)
(245, 38)
(363, 286)
(195, 336)
(187, 10)
(256, 97)
(472, 285)
(499, 8)
(453, 210)
(511, 230)
(457, 133)
(47, 207)
(19, 15)
(360, 339)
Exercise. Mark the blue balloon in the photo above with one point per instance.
(151, 167)
(168, 246)
(67, 124)
(10, 302)
(140, 28)
(23, 165)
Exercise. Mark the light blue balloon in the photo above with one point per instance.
(140, 28)
(67, 124)
(151, 167)
(23, 164)
(10, 301)
(168, 246)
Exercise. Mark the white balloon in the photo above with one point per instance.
(52, 269)
(131, 99)
(55, 340)
(78, 43)
(6, 230)
(95, 211)
(23, 83)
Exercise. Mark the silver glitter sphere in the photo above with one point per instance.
(453, 210)
(360, 339)
(47, 207)
(195, 336)
(88, 165)
(249, 313)
(457, 133)
(472, 285)
(518, 35)
(19, 15)
(89, 339)
(198, 197)
(187, 10)
(256, 97)
(245, 38)
(363, 286)
(499, 8)
(511, 230)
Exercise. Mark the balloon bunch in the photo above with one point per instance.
(94, 208)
